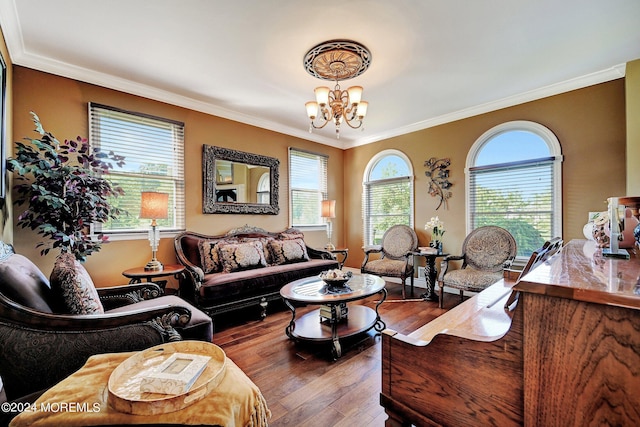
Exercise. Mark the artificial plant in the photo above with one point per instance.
(65, 189)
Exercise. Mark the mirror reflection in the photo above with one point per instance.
(239, 182)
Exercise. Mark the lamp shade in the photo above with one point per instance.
(312, 109)
(328, 209)
(322, 95)
(355, 94)
(362, 109)
(154, 205)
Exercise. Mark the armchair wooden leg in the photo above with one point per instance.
(461, 295)
(441, 295)
(404, 283)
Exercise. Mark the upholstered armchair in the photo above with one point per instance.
(41, 342)
(396, 259)
(486, 251)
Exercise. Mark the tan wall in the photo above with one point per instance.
(632, 86)
(6, 219)
(589, 123)
(61, 104)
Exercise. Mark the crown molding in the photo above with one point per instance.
(19, 56)
(612, 73)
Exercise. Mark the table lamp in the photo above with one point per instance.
(154, 206)
(329, 211)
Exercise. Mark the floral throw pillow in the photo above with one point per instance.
(74, 287)
(242, 256)
(288, 251)
(209, 257)
(290, 234)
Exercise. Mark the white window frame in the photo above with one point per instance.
(322, 191)
(366, 233)
(555, 153)
(141, 231)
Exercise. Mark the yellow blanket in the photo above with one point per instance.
(81, 400)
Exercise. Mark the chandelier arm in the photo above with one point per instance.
(325, 120)
(353, 126)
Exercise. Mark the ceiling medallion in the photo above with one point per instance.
(337, 60)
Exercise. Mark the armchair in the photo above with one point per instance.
(396, 259)
(39, 346)
(486, 251)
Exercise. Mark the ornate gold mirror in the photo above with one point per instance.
(239, 182)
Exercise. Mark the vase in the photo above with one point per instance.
(436, 244)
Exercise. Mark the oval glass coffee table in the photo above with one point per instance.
(334, 319)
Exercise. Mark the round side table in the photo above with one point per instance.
(138, 273)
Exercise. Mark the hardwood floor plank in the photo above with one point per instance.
(303, 386)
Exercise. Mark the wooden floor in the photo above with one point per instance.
(303, 386)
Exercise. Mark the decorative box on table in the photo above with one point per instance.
(175, 375)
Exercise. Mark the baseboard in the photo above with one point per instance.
(418, 282)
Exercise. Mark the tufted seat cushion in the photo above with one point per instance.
(388, 267)
(470, 279)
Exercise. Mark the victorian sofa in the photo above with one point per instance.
(245, 267)
(49, 328)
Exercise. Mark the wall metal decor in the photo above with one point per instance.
(218, 198)
(438, 174)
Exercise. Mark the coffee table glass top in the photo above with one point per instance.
(315, 290)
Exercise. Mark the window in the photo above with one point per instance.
(264, 190)
(308, 187)
(154, 161)
(387, 194)
(514, 181)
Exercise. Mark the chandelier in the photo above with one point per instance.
(337, 60)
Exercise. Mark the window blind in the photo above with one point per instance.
(386, 202)
(518, 196)
(307, 186)
(153, 149)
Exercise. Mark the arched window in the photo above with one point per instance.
(387, 194)
(264, 189)
(514, 180)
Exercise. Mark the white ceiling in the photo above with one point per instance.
(433, 61)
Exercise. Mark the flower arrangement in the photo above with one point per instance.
(437, 231)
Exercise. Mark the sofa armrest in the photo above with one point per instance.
(116, 296)
(320, 254)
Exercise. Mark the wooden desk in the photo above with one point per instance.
(567, 354)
